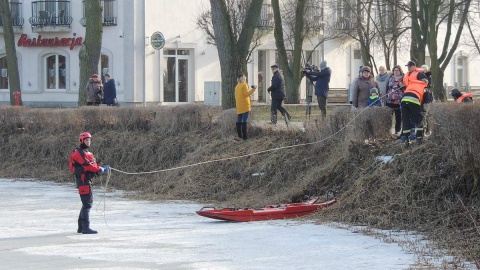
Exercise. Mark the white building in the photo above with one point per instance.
(48, 36)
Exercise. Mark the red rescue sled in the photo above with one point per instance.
(281, 211)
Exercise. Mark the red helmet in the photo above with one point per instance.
(83, 136)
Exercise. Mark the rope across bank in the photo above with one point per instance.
(244, 155)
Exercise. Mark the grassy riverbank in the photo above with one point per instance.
(189, 152)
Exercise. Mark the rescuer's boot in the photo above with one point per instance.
(86, 228)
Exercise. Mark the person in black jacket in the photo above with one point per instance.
(109, 91)
(322, 79)
(277, 92)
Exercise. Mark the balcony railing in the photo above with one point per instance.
(109, 13)
(343, 24)
(17, 16)
(266, 17)
(51, 13)
(314, 17)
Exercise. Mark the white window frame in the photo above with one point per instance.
(55, 72)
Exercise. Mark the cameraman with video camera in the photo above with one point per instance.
(322, 79)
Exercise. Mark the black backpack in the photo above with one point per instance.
(427, 96)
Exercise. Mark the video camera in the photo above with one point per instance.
(309, 67)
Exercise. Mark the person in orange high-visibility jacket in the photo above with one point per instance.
(462, 97)
(415, 82)
(243, 105)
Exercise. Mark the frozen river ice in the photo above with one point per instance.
(39, 222)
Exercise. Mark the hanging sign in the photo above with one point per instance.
(157, 40)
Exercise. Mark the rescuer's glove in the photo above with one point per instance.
(104, 169)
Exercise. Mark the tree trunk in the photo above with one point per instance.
(418, 41)
(225, 48)
(232, 53)
(12, 61)
(293, 74)
(90, 51)
(439, 93)
(441, 58)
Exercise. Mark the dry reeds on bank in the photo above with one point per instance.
(432, 188)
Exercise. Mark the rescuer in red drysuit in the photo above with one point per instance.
(84, 167)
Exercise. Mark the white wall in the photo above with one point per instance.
(137, 69)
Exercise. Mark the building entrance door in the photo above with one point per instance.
(176, 76)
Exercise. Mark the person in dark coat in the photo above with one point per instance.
(322, 79)
(109, 91)
(277, 92)
(94, 91)
(361, 88)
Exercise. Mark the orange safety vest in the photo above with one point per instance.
(462, 97)
(414, 85)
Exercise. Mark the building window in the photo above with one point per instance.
(344, 19)
(266, 16)
(56, 72)
(51, 13)
(461, 70)
(4, 73)
(104, 66)
(385, 15)
(109, 13)
(16, 11)
(314, 15)
(458, 13)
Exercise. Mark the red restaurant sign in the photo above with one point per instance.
(24, 41)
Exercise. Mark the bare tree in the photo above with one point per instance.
(233, 42)
(12, 61)
(391, 25)
(426, 19)
(90, 51)
(237, 10)
(472, 37)
(377, 25)
(291, 73)
(354, 21)
(297, 21)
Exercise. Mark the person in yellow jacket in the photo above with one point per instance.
(415, 82)
(243, 104)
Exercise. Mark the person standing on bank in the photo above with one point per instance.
(277, 92)
(322, 79)
(83, 165)
(94, 91)
(394, 96)
(361, 88)
(382, 80)
(352, 85)
(109, 91)
(415, 82)
(243, 104)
